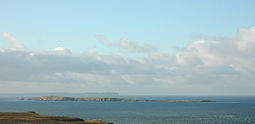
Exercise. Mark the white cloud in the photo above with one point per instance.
(126, 44)
(223, 66)
(13, 41)
(246, 42)
(60, 49)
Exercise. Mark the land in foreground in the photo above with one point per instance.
(34, 118)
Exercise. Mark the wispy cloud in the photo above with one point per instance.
(127, 45)
(13, 41)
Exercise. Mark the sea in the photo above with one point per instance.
(226, 110)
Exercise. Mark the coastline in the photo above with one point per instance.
(105, 99)
(34, 118)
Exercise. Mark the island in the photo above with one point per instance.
(34, 118)
(62, 98)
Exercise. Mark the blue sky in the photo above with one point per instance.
(202, 47)
(164, 24)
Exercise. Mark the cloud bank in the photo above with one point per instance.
(224, 66)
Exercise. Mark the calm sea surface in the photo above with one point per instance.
(227, 110)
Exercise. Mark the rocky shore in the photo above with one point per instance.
(62, 98)
(34, 118)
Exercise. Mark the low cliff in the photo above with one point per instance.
(61, 98)
(34, 118)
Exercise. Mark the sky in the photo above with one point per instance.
(155, 47)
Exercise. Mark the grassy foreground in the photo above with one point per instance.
(34, 118)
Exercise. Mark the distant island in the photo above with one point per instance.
(34, 118)
(84, 94)
(62, 98)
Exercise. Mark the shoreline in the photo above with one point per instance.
(34, 118)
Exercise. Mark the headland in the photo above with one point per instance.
(34, 118)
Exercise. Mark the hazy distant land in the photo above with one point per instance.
(62, 98)
(85, 94)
